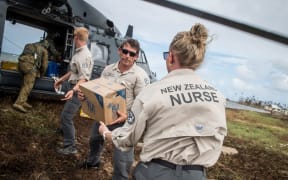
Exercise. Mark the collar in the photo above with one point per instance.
(181, 71)
(80, 48)
(132, 69)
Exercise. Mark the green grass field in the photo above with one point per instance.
(260, 129)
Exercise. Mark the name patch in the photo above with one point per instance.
(190, 93)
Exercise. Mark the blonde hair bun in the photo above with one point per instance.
(199, 34)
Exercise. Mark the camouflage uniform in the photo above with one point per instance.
(32, 63)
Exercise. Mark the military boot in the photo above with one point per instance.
(19, 108)
(26, 105)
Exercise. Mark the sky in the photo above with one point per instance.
(237, 63)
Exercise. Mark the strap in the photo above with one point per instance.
(173, 166)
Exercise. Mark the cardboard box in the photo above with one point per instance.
(103, 99)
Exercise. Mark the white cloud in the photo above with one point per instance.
(281, 64)
(245, 73)
(241, 85)
(280, 82)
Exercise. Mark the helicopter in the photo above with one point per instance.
(59, 17)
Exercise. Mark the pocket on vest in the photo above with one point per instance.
(26, 63)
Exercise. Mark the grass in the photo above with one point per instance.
(41, 120)
(262, 145)
(28, 145)
(260, 129)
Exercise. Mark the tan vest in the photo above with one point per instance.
(81, 65)
(134, 80)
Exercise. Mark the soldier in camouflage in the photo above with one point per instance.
(32, 63)
(53, 53)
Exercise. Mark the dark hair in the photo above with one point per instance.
(133, 43)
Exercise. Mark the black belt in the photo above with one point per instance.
(173, 166)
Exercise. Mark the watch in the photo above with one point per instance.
(104, 134)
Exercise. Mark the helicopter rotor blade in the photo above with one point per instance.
(221, 20)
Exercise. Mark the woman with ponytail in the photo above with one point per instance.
(180, 119)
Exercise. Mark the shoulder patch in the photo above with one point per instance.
(147, 81)
(84, 65)
(131, 117)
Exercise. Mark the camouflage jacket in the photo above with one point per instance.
(53, 53)
(35, 54)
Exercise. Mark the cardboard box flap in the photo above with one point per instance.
(103, 99)
(109, 84)
(104, 87)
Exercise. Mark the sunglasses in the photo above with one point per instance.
(131, 54)
(165, 55)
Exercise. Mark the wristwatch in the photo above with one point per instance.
(104, 134)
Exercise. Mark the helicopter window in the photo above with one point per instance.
(14, 40)
(99, 52)
(141, 58)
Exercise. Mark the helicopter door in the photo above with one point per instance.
(142, 62)
(69, 45)
(3, 10)
(100, 57)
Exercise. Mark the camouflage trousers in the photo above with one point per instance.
(27, 85)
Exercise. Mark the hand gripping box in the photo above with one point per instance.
(103, 99)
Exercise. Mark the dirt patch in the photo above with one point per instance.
(28, 150)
